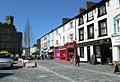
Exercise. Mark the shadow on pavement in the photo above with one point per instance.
(2, 75)
(11, 68)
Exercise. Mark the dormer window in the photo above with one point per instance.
(90, 16)
(81, 21)
(101, 10)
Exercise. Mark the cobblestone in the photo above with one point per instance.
(59, 71)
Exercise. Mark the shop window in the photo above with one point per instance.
(90, 29)
(97, 51)
(90, 16)
(101, 10)
(82, 52)
(102, 27)
(81, 34)
(81, 21)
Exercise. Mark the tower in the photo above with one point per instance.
(9, 20)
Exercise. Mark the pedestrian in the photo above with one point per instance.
(71, 57)
(77, 60)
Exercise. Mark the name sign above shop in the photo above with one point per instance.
(116, 41)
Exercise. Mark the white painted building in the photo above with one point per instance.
(94, 33)
(115, 23)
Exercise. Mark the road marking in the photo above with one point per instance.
(57, 74)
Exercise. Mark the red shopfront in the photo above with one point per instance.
(66, 50)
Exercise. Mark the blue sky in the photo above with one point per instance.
(44, 15)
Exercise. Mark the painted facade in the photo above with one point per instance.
(115, 16)
(95, 31)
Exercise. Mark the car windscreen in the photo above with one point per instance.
(5, 56)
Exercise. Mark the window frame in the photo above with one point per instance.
(81, 49)
(91, 17)
(99, 9)
(88, 31)
(99, 22)
(81, 34)
(81, 19)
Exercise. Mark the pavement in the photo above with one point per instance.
(59, 71)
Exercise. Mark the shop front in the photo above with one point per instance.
(116, 47)
(56, 53)
(100, 49)
(67, 51)
(71, 50)
(63, 52)
(51, 53)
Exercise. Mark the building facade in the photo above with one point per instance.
(10, 38)
(95, 31)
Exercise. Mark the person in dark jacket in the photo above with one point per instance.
(77, 60)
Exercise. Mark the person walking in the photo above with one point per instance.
(77, 60)
(71, 57)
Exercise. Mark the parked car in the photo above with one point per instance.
(6, 60)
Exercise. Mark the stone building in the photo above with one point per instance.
(10, 38)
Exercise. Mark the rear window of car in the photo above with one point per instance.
(5, 56)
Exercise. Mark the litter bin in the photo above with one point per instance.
(93, 60)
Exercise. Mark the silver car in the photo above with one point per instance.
(6, 60)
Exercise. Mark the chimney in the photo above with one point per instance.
(65, 20)
(81, 10)
(89, 4)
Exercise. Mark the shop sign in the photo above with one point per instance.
(3, 51)
(116, 40)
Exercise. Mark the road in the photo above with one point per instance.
(59, 71)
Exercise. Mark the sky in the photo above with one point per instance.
(43, 15)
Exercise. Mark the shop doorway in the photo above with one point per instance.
(88, 53)
(103, 53)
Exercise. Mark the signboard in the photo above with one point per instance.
(3, 51)
(116, 41)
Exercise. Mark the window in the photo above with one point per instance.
(63, 39)
(71, 24)
(90, 29)
(90, 16)
(71, 37)
(97, 51)
(57, 31)
(63, 28)
(119, 2)
(101, 10)
(56, 42)
(103, 27)
(118, 25)
(81, 34)
(81, 21)
(82, 52)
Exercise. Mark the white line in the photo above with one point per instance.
(57, 74)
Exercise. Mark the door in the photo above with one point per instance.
(88, 53)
